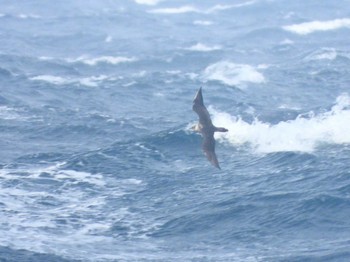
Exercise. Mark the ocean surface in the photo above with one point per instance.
(98, 161)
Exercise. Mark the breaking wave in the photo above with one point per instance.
(302, 134)
(314, 26)
(233, 74)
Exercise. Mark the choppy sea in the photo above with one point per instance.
(97, 158)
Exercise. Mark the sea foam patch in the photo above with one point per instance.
(92, 81)
(314, 26)
(302, 134)
(49, 200)
(175, 10)
(199, 47)
(193, 9)
(233, 74)
(8, 113)
(147, 2)
(323, 54)
(203, 22)
(114, 60)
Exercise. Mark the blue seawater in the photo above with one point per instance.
(98, 161)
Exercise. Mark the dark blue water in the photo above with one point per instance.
(98, 161)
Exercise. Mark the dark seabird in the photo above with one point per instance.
(206, 128)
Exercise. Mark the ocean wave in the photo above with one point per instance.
(147, 2)
(92, 81)
(54, 172)
(203, 22)
(5, 72)
(192, 9)
(233, 74)
(323, 54)
(175, 10)
(38, 199)
(113, 60)
(21, 16)
(28, 16)
(314, 26)
(18, 114)
(8, 113)
(199, 47)
(302, 134)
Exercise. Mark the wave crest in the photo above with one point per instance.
(233, 74)
(314, 26)
(302, 134)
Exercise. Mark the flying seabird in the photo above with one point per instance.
(206, 128)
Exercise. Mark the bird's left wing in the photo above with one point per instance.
(208, 147)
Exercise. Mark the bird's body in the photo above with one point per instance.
(206, 128)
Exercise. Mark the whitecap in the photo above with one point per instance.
(74, 211)
(147, 2)
(175, 10)
(221, 7)
(203, 22)
(302, 134)
(45, 58)
(56, 80)
(323, 54)
(199, 47)
(114, 60)
(314, 26)
(79, 176)
(92, 81)
(174, 72)
(286, 42)
(192, 9)
(28, 16)
(232, 74)
(8, 113)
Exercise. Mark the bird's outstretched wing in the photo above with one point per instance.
(208, 147)
(200, 109)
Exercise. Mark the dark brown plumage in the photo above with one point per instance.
(206, 128)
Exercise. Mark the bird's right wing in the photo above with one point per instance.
(200, 109)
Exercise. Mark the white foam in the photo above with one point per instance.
(199, 47)
(301, 134)
(192, 9)
(286, 42)
(233, 74)
(45, 58)
(78, 176)
(92, 81)
(56, 80)
(28, 16)
(114, 60)
(314, 26)
(203, 22)
(147, 2)
(175, 10)
(220, 7)
(63, 217)
(8, 113)
(323, 54)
